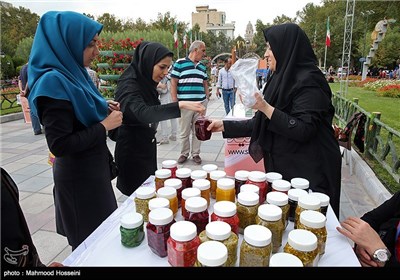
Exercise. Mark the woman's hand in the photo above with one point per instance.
(113, 120)
(262, 105)
(193, 106)
(113, 105)
(216, 126)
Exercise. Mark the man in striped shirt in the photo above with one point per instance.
(189, 82)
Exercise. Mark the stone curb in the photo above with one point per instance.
(11, 117)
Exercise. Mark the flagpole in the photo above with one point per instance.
(326, 48)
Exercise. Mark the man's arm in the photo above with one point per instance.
(174, 89)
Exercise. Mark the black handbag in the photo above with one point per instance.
(113, 166)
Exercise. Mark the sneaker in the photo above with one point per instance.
(37, 132)
(164, 141)
(172, 138)
(197, 159)
(182, 159)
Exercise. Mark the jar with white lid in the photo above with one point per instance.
(187, 193)
(294, 195)
(316, 223)
(212, 254)
(324, 201)
(170, 194)
(131, 229)
(197, 174)
(249, 188)
(158, 202)
(226, 211)
(209, 168)
(241, 177)
(176, 184)
(270, 216)
(304, 245)
(221, 231)
(256, 247)
(182, 244)
(204, 186)
(158, 230)
(282, 201)
(225, 190)
(281, 186)
(306, 202)
(247, 205)
(170, 164)
(283, 259)
(142, 197)
(184, 174)
(197, 212)
(272, 176)
(214, 177)
(160, 176)
(300, 183)
(259, 179)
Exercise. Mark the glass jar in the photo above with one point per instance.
(306, 202)
(170, 164)
(170, 194)
(272, 176)
(184, 174)
(259, 178)
(132, 230)
(282, 201)
(187, 193)
(182, 244)
(247, 205)
(158, 202)
(225, 190)
(281, 186)
(176, 184)
(256, 247)
(200, 127)
(270, 216)
(204, 186)
(160, 176)
(142, 198)
(158, 230)
(249, 188)
(197, 212)
(324, 201)
(214, 177)
(241, 177)
(197, 174)
(304, 245)
(211, 254)
(209, 168)
(315, 222)
(293, 195)
(300, 183)
(226, 211)
(282, 259)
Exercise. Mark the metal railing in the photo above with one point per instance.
(9, 98)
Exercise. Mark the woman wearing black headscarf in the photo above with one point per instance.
(292, 129)
(136, 149)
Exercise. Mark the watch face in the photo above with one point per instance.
(381, 255)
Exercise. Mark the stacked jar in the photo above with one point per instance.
(324, 201)
(256, 247)
(197, 212)
(142, 198)
(282, 201)
(160, 176)
(158, 202)
(300, 183)
(184, 175)
(281, 186)
(170, 194)
(211, 254)
(226, 211)
(197, 174)
(270, 216)
(304, 245)
(187, 193)
(293, 195)
(241, 177)
(209, 168)
(214, 177)
(247, 205)
(259, 178)
(225, 190)
(272, 176)
(315, 222)
(249, 188)
(132, 230)
(170, 164)
(306, 202)
(204, 186)
(177, 185)
(158, 230)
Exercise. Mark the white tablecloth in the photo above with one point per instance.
(103, 247)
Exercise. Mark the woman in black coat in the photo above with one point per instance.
(292, 129)
(136, 149)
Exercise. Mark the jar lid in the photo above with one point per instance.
(309, 202)
(163, 173)
(190, 192)
(198, 174)
(201, 184)
(257, 235)
(209, 167)
(300, 183)
(212, 253)
(131, 220)
(248, 198)
(302, 240)
(196, 204)
(173, 183)
(242, 175)
(250, 188)
(322, 197)
(145, 192)
(269, 212)
(294, 194)
(161, 216)
(183, 172)
(225, 208)
(272, 176)
(169, 163)
(183, 231)
(277, 198)
(217, 174)
(282, 259)
(257, 176)
(158, 202)
(281, 185)
(226, 183)
(167, 192)
(218, 230)
(312, 219)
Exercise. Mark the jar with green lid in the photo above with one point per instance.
(282, 201)
(160, 176)
(247, 205)
(294, 195)
(225, 190)
(176, 184)
(300, 183)
(316, 223)
(132, 230)
(221, 231)
(324, 201)
(170, 194)
(158, 202)
(306, 202)
(214, 177)
(241, 177)
(304, 245)
(204, 186)
(283, 259)
(256, 247)
(142, 198)
(270, 216)
(211, 254)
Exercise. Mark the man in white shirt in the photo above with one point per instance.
(227, 84)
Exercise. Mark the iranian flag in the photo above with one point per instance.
(328, 35)
(176, 42)
(184, 40)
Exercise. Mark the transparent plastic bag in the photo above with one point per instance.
(244, 73)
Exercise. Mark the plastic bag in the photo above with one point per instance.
(244, 73)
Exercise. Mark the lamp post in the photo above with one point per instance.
(367, 13)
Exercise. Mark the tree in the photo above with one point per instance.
(110, 23)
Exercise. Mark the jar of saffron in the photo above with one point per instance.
(226, 211)
(158, 230)
(184, 175)
(142, 198)
(132, 231)
(204, 186)
(212, 254)
(172, 165)
(214, 177)
(197, 212)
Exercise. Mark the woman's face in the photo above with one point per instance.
(269, 56)
(160, 70)
(90, 52)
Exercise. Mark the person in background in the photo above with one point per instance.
(76, 117)
(93, 76)
(376, 235)
(136, 149)
(214, 74)
(189, 83)
(292, 128)
(227, 84)
(24, 92)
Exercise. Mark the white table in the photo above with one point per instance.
(103, 247)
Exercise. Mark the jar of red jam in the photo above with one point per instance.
(158, 230)
(170, 164)
(214, 177)
(187, 193)
(204, 186)
(226, 211)
(241, 177)
(259, 178)
(200, 127)
(272, 176)
(197, 212)
(184, 175)
(176, 184)
(160, 176)
(281, 186)
(182, 244)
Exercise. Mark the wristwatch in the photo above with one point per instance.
(381, 255)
